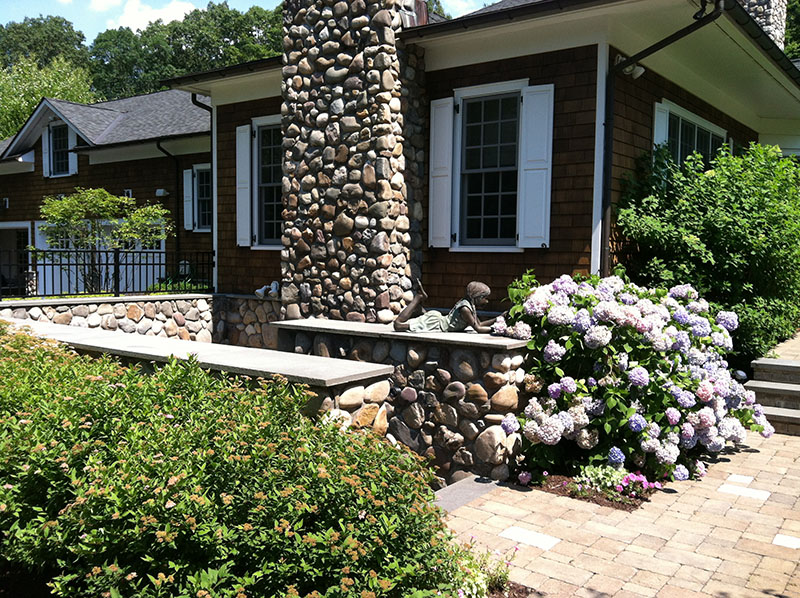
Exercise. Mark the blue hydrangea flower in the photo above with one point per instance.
(591, 382)
(639, 376)
(728, 320)
(615, 457)
(700, 326)
(510, 423)
(682, 342)
(554, 390)
(637, 423)
(681, 316)
(582, 321)
(553, 352)
(681, 474)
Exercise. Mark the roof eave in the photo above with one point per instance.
(263, 64)
(84, 149)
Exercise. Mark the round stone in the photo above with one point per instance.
(352, 398)
(408, 394)
(490, 445)
(506, 399)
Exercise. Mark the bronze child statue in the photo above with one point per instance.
(463, 314)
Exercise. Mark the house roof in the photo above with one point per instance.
(152, 116)
(4, 144)
(244, 68)
(502, 5)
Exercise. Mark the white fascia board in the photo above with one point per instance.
(143, 151)
(32, 129)
(214, 198)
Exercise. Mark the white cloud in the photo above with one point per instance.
(101, 5)
(137, 15)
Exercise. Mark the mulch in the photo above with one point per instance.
(514, 590)
(559, 484)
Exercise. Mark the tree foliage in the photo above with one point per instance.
(43, 39)
(124, 62)
(26, 83)
(792, 48)
(435, 6)
(94, 218)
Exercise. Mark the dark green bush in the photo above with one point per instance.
(117, 483)
(732, 230)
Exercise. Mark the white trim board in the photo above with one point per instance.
(599, 157)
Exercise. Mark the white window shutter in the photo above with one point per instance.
(440, 197)
(243, 192)
(188, 199)
(661, 125)
(72, 140)
(535, 168)
(46, 151)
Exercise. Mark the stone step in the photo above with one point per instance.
(776, 394)
(777, 370)
(785, 421)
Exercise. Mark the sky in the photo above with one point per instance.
(93, 16)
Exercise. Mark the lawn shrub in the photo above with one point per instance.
(116, 483)
(731, 229)
(625, 375)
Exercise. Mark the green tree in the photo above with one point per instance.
(96, 219)
(125, 63)
(44, 39)
(792, 47)
(25, 84)
(435, 6)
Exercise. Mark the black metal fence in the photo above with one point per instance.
(56, 272)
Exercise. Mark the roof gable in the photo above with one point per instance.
(130, 120)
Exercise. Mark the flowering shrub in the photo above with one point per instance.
(628, 376)
(731, 228)
(115, 483)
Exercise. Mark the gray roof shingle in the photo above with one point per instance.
(502, 5)
(152, 116)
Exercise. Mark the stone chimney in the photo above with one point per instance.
(771, 15)
(351, 226)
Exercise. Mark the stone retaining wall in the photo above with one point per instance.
(187, 317)
(243, 320)
(444, 402)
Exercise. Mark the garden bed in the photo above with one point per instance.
(567, 486)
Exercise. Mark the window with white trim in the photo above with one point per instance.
(58, 139)
(197, 198)
(684, 132)
(259, 176)
(491, 162)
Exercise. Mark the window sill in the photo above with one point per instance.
(266, 247)
(486, 249)
(60, 176)
(201, 230)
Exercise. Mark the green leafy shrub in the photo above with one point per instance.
(116, 483)
(731, 230)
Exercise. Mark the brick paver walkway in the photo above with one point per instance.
(789, 349)
(691, 540)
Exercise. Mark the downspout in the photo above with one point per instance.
(608, 134)
(178, 200)
(200, 104)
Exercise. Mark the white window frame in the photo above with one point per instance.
(464, 93)
(72, 158)
(661, 123)
(259, 121)
(196, 197)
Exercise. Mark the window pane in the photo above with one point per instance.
(688, 139)
(674, 137)
(269, 205)
(489, 173)
(704, 143)
(716, 143)
(59, 149)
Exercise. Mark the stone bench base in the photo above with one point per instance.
(448, 391)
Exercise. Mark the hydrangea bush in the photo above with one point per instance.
(629, 376)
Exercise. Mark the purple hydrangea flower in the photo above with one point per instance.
(639, 376)
(683, 291)
(597, 336)
(687, 399)
(681, 474)
(510, 423)
(687, 430)
(553, 352)
(524, 478)
(499, 328)
(673, 415)
(591, 382)
(615, 457)
(700, 326)
(637, 423)
(728, 320)
(565, 284)
(582, 321)
(682, 342)
(554, 390)
(560, 315)
(521, 331)
(568, 384)
(628, 298)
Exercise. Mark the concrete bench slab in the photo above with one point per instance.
(471, 340)
(319, 372)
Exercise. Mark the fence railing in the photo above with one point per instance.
(57, 272)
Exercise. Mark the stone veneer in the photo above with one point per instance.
(188, 317)
(243, 320)
(445, 401)
(353, 118)
(771, 15)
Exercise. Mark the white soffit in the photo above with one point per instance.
(143, 151)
